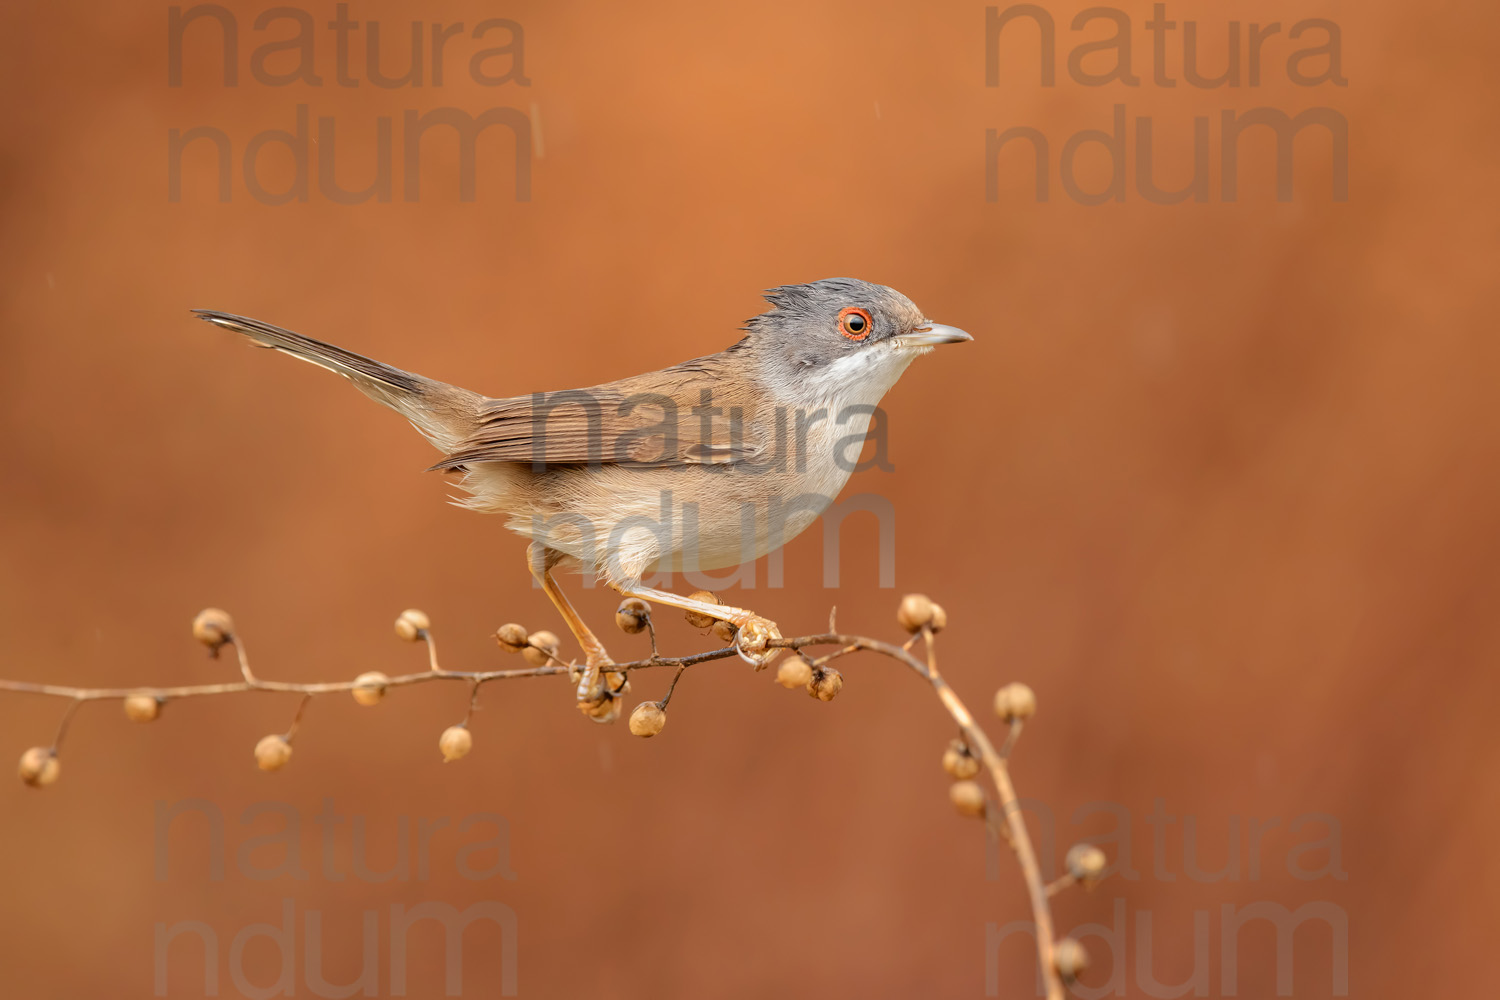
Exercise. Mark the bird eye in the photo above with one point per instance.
(854, 323)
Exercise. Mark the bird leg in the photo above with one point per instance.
(752, 641)
(594, 693)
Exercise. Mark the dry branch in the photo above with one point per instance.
(1061, 961)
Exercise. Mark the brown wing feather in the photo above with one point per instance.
(648, 420)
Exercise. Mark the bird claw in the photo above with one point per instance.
(595, 672)
(600, 690)
(753, 641)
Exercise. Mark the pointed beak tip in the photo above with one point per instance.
(933, 334)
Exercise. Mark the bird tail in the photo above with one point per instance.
(442, 413)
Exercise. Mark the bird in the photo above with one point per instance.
(706, 464)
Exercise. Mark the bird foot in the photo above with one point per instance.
(599, 688)
(753, 640)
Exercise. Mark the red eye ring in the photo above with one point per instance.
(860, 328)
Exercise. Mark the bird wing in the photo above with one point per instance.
(672, 417)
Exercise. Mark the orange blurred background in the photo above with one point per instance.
(1217, 479)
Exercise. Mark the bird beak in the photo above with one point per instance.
(932, 334)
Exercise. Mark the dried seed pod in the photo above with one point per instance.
(915, 612)
(724, 631)
(1015, 701)
(825, 684)
(541, 648)
(455, 742)
(38, 767)
(698, 619)
(511, 637)
(968, 798)
(1069, 958)
(959, 761)
(369, 687)
(142, 707)
(632, 614)
(213, 628)
(939, 618)
(794, 672)
(411, 623)
(647, 719)
(1086, 863)
(272, 752)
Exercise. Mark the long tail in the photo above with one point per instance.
(442, 413)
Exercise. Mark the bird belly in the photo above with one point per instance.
(621, 523)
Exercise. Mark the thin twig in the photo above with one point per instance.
(1060, 883)
(1010, 739)
(432, 661)
(244, 658)
(62, 727)
(651, 631)
(297, 719)
(673, 686)
(827, 658)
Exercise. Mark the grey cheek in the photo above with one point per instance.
(808, 362)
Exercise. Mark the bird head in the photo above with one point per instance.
(840, 339)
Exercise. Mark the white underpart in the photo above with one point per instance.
(848, 389)
(865, 375)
